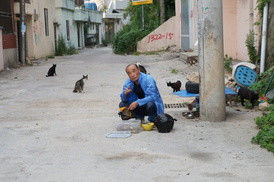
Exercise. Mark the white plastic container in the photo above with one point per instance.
(132, 125)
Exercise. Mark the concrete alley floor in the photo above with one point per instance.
(50, 134)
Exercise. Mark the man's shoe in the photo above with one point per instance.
(143, 121)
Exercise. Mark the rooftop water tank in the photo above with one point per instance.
(91, 5)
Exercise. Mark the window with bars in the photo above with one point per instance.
(26, 1)
(6, 20)
(79, 2)
(46, 22)
(68, 32)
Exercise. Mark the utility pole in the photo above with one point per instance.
(143, 17)
(211, 60)
(162, 11)
(23, 32)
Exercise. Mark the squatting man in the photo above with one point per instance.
(141, 95)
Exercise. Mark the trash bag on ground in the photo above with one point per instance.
(164, 123)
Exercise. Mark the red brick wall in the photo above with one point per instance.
(9, 41)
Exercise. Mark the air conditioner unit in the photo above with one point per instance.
(35, 15)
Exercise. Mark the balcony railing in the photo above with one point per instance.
(87, 15)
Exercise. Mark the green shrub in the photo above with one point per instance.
(228, 63)
(262, 82)
(252, 53)
(71, 49)
(151, 53)
(61, 46)
(266, 120)
(105, 42)
(125, 41)
(265, 138)
(136, 53)
(51, 57)
(174, 71)
(260, 5)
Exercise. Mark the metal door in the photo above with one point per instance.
(185, 34)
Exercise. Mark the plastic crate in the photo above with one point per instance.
(245, 76)
(132, 125)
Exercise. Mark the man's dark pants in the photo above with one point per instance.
(148, 109)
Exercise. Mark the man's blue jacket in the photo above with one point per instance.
(150, 89)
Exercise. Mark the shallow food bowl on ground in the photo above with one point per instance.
(147, 126)
(190, 116)
(185, 113)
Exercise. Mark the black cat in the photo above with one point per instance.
(247, 94)
(176, 85)
(52, 71)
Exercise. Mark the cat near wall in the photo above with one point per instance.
(191, 61)
(79, 85)
(52, 71)
(176, 85)
(247, 94)
(231, 100)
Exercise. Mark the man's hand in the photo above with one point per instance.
(133, 105)
(127, 91)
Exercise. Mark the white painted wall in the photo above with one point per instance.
(238, 18)
(163, 37)
(10, 57)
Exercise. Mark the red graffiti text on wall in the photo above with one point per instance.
(159, 36)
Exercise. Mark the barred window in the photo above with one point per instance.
(6, 20)
(27, 1)
(46, 22)
(79, 2)
(68, 32)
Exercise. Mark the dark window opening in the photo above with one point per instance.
(79, 2)
(6, 20)
(46, 22)
(27, 1)
(68, 32)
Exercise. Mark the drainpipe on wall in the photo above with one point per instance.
(263, 47)
(23, 32)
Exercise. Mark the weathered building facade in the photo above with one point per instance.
(39, 17)
(113, 19)
(8, 54)
(45, 21)
(238, 19)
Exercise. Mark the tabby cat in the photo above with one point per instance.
(79, 85)
(141, 67)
